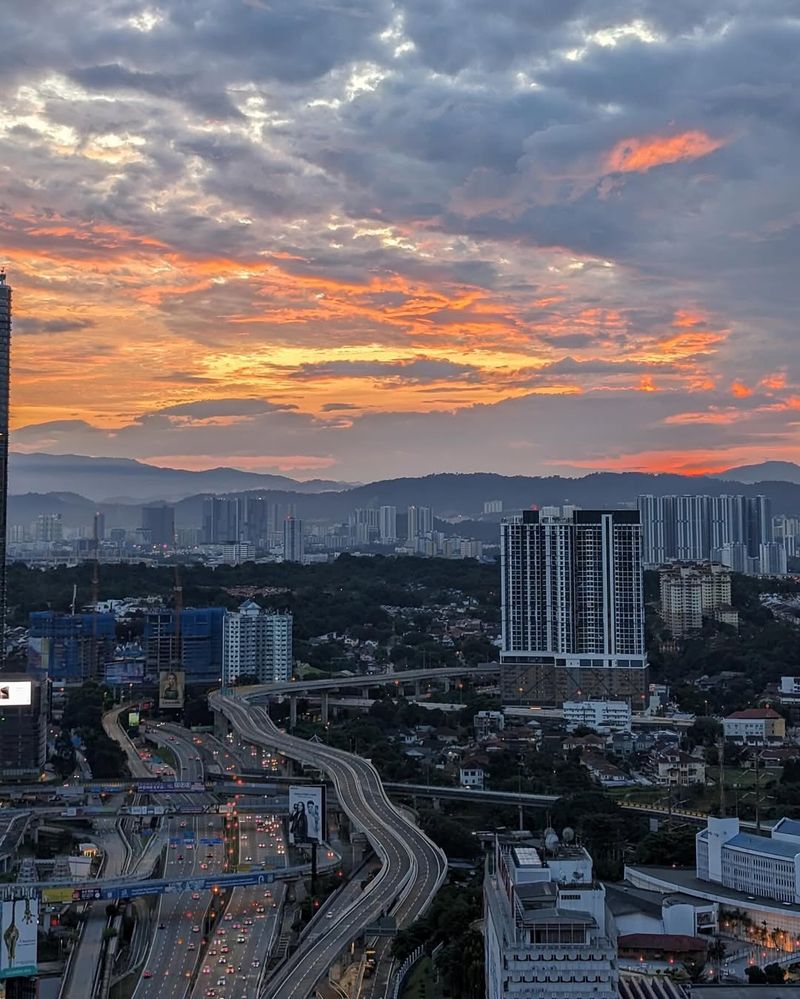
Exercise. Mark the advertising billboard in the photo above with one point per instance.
(125, 671)
(16, 694)
(133, 719)
(171, 688)
(306, 813)
(19, 919)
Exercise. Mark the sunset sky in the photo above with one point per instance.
(362, 239)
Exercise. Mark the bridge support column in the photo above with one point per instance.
(323, 707)
(446, 681)
(521, 820)
(417, 688)
(292, 711)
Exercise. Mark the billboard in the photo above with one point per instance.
(19, 920)
(121, 671)
(306, 813)
(16, 693)
(133, 719)
(171, 688)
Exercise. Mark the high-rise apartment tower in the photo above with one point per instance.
(572, 607)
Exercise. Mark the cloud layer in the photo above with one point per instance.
(384, 238)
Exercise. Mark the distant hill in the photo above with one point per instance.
(126, 480)
(766, 471)
(450, 495)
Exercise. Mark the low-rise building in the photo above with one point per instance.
(486, 723)
(674, 768)
(755, 726)
(602, 716)
(471, 777)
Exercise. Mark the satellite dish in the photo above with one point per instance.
(568, 834)
(551, 841)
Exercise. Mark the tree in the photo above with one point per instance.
(774, 974)
(756, 975)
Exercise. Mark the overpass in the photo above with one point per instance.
(127, 887)
(414, 678)
(412, 868)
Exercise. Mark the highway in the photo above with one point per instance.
(412, 868)
(301, 687)
(176, 948)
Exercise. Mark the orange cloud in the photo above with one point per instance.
(640, 155)
(740, 390)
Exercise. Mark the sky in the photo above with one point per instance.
(361, 239)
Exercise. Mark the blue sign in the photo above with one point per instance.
(237, 880)
(174, 840)
(166, 786)
(211, 841)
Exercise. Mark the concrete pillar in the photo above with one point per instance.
(521, 821)
(323, 706)
(292, 711)
(417, 688)
(446, 681)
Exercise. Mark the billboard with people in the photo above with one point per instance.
(306, 814)
(171, 688)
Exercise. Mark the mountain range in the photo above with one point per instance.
(128, 481)
(452, 496)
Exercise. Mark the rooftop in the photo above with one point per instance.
(754, 714)
(761, 844)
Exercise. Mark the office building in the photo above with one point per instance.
(258, 644)
(49, 527)
(236, 554)
(755, 726)
(572, 607)
(602, 716)
(70, 648)
(158, 525)
(222, 520)
(548, 931)
(786, 530)
(387, 525)
(5, 377)
(23, 727)
(696, 528)
(690, 592)
(293, 544)
(200, 652)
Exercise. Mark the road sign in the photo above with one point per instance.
(211, 841)
(168, 786)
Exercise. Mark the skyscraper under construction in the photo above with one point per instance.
(5, 361)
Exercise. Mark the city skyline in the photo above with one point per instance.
(391, 239)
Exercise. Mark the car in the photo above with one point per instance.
(230, 970)
(212, 953)
(228, 917)
(191, 946)
(222, 960)
(180, 856)
(161, 926)
(206, 970)
(221, 981)
(147, 974)
(241, 940)
(195, 928)
(195, 895)
(183, 824)
(211, 993)
(248, 921)
(255, 964)
(204, 867)
(329, 915)
(189, 846)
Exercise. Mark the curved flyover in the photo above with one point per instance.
(412, 867)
